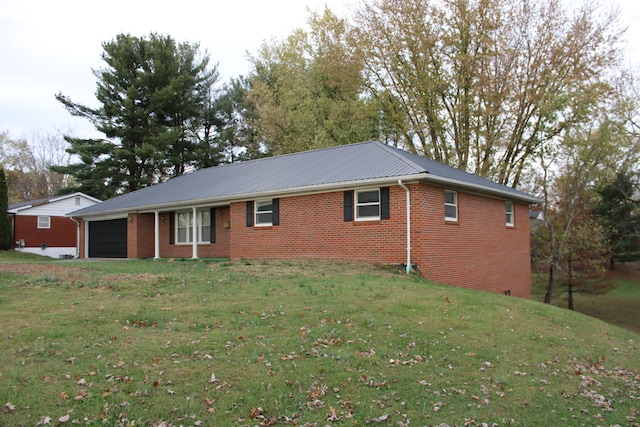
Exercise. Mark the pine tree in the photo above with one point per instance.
(5, 225)
(152, 94)
(618, 212)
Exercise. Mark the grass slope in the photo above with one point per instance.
(618, 306)
(301, 343)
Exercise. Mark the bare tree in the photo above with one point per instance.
(567, 177)
(27, 162)
(481, 84)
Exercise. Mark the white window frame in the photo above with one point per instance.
(454, 205)
(357, 205)
(510, 213)
(44, 221)
(189, 227)
(258, 213)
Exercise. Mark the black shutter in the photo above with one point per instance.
(348, 206)
(275, 206)
(212, 225)
(250, 213)
(384, 203)
(172, 228)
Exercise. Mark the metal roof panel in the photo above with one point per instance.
(342, 164)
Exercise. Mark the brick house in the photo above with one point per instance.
(366, 201)
(41, 226)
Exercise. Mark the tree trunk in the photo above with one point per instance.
(553, 273)
(554, 265)
(570, 296)
(570, 285)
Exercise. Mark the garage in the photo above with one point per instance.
(108, 239)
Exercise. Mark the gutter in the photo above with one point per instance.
(406, 189)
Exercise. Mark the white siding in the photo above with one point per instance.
(59, 207)
(50, 252)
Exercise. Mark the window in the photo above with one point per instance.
(264, 212)
(450, 205)
(44, 222)
(77, 200)
(184, 226)
(510, 215)
(367, 205)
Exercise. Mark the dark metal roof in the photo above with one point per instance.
(345, 165)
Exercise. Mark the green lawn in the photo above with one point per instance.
(619, 306)
(296, 343)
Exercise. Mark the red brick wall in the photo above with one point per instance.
(140, 235)
(63, 232)
(477, 252)
(313, 226)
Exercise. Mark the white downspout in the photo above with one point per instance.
(406, 189)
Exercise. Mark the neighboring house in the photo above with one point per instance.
(42, 226)
(366, 201)
(536, 219)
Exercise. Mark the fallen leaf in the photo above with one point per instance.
(255, 412)
(332, 415)
(63, 419)
(8, 407)
(44, 421)
(268, 422)
(380, 419)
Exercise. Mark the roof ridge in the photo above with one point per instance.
(277, 156)
(402, 155)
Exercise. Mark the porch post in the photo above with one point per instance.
(157, 235)
(194, 233)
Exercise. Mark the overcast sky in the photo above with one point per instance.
(51, 46)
